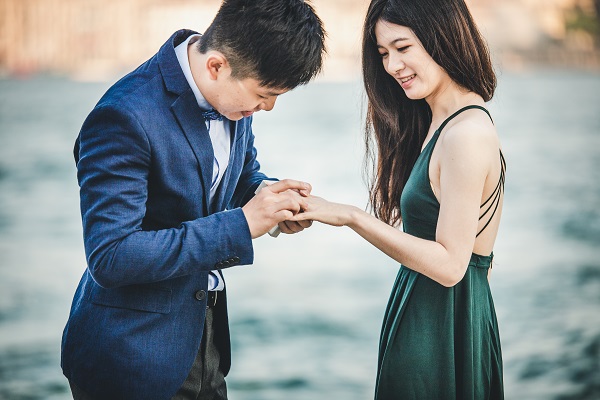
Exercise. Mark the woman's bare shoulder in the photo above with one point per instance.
(471, 131)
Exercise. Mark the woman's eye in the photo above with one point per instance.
(403, 49)
(383, 55)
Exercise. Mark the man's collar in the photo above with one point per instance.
(170, 69)
(181, 51)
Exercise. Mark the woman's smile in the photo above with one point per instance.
(407, 81)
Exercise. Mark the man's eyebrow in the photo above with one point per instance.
(270, 93)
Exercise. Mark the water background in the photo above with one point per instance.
(305, 318)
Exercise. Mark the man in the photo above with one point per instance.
(168, 173)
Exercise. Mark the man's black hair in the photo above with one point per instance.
(280, 43)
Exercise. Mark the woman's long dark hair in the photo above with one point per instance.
(396, 126)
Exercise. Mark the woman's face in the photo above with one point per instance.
(405, 58)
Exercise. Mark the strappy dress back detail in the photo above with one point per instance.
(494, 200)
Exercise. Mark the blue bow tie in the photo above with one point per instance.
(212, 115)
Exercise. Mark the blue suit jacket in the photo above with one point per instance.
(144, 161)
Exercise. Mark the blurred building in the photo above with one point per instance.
(98, 39)
(555, 32)
(90, 38)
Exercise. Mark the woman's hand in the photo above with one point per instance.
(319, 209)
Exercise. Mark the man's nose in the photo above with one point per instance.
(269, 103)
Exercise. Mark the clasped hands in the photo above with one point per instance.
(289, 204)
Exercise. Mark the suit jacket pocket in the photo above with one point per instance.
(136, 297)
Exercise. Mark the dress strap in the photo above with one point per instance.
(443, 125)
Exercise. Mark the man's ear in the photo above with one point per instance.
(217, 65)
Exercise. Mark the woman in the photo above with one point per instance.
(439, 171)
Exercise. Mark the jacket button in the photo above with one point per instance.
(200, 295)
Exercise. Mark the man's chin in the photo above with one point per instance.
(236, 116)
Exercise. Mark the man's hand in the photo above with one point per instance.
(290, 227)
(274, 204)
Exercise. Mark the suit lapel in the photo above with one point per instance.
(187, 112)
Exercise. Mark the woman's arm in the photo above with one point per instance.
(464, 164)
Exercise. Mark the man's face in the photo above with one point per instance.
(237, 98)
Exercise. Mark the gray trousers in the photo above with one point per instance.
(205, 380)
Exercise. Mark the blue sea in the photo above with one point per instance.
(305, 318)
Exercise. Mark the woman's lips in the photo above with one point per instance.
(407, 80)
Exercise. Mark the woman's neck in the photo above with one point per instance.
(448, 100)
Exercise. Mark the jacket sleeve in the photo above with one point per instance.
(113, 156)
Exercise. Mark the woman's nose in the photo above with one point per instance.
(395, 65)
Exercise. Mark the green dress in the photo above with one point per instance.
(437, 342)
